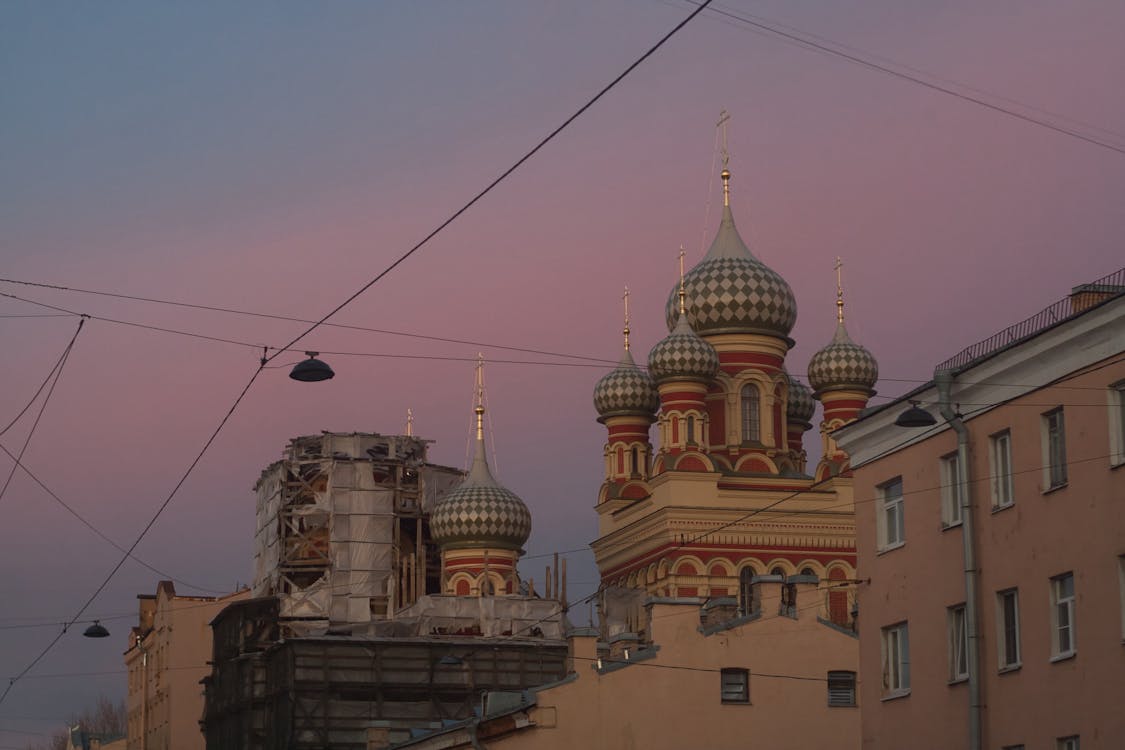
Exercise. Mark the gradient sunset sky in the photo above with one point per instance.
(274, 157)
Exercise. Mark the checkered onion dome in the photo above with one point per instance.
(843, 364)
(801, 405)
(480, 512)
(731, 291)
(626, 390)
(682, 355)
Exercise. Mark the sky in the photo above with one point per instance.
(275, 157)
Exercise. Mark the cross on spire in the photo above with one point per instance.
(839, 290)
(682, 308)
(625, 297)
(724, 118)
(479, 409)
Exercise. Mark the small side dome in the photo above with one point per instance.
(481, 514)
(682, 355)
(843, 364)
(801, 405)
(626, 390)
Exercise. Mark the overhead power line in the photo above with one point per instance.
(806, 40)
(265, 360)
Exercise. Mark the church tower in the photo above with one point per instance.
(843, 374)
(480, 526)
(727, 503)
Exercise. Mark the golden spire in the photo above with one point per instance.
(409, 422)
(626, 298)
(839, 291)
(682, 309)
(479, 409)
(724, 118)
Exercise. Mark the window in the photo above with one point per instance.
(958, 643)
(1063, 642)
(636, 458)
(788, 606)
(735, 685)
(1000, 461)
(749, 596)
(690, 429)
(1012, 747)
(1054, 449)
(950, 490)
(896, 660)
(1008, 628)
(1067, 743)
(1121, 585)
(841, 688)
(751, 414)
(891, 528)
(1117, 424)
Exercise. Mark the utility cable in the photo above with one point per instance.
(250, 313)
(57, 373)
(914, 79)
(265, 360)
(504, 175)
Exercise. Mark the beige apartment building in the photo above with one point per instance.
(991, 545)
(168, 652)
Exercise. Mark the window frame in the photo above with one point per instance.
(1116, 398)
(750, 419)
(1063, 602)
(1121, 588)
(950, 468)
(1008, 633)
(1054, 449)
(890, 505)
(843, 682)
(896, 660)
(1070, 742)
(957, 626)
(1000, 466)
(732, 679)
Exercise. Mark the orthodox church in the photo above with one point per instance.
(724, 498)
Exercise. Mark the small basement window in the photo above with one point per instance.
(841, 688)
(735, 685)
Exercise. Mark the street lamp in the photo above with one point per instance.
(311, 370)
(915, 416)
(97, 630)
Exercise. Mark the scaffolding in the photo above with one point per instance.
(342, 534)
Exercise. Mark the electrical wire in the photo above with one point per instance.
(855, 58)
(265, 360)
(57, 373)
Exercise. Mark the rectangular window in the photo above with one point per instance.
(950, 490)
(1117, 424)
(1121, 585)
(1000, 462)
(896, 660)
(1012, 747)
(735, 684)
(1054, 449)
(891, 526)
(1008, 628)
(841, 688)
(1063, 640)
(958, 643)
(1067, 743)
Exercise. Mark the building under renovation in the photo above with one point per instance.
(386, 600)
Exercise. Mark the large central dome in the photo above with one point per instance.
(731, 291)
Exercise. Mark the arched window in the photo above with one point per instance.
(749, 600)
(751, 414)
(636, 461)
(690, 429)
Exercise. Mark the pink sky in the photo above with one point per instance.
(275, 158)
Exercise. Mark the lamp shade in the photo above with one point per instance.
(311, 370)
(97, 630)
(915, 416)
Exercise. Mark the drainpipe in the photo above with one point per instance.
(943, 379)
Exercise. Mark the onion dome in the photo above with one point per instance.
(682, 355)
(843, 363)
(480, 512)
(626, 390)
(801, 405)
(731, 291)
